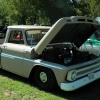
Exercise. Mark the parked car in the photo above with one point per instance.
(52, 56)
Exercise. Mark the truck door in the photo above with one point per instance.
(12, 52)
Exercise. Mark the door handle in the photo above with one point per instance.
(5, 47)
(26, 52)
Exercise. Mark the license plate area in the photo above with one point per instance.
(91, 76)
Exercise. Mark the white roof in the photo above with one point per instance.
(29, 27)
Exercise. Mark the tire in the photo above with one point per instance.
(45, 78)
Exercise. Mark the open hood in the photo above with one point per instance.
(75, 29)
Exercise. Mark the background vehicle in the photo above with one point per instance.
(92, 44)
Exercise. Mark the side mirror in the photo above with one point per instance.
(90, 41)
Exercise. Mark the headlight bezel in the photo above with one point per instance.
(72, 75)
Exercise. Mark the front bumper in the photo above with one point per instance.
(79, 83)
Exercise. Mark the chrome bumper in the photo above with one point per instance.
(79, 83)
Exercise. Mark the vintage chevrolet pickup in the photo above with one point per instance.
(52, 56)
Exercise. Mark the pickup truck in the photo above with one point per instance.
(52, 56)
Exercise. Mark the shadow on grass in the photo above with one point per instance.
(88, 92)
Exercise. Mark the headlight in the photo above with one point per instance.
(72, 75)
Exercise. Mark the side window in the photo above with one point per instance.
(97, 34)
(16, 37)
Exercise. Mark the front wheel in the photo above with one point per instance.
(45, 78)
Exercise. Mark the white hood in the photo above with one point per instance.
(75, 29)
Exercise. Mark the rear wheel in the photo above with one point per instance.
(45, 78)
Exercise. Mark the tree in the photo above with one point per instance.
(45, 11)
(95, 8)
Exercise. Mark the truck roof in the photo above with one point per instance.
(29, 27)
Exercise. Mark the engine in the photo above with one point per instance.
(66, 55)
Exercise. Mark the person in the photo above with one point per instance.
(18, 36)
(5, 29)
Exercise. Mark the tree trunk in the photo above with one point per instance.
(23, 20)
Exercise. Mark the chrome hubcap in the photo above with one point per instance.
(43, 77)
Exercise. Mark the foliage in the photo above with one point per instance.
(45, 11)
(95, 8)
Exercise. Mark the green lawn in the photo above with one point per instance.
(13, 87)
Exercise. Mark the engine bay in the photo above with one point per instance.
(65, 54)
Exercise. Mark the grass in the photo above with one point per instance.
(13, 87)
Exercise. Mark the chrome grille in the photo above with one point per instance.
(87, 70)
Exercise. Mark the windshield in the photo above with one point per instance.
(34, 36)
